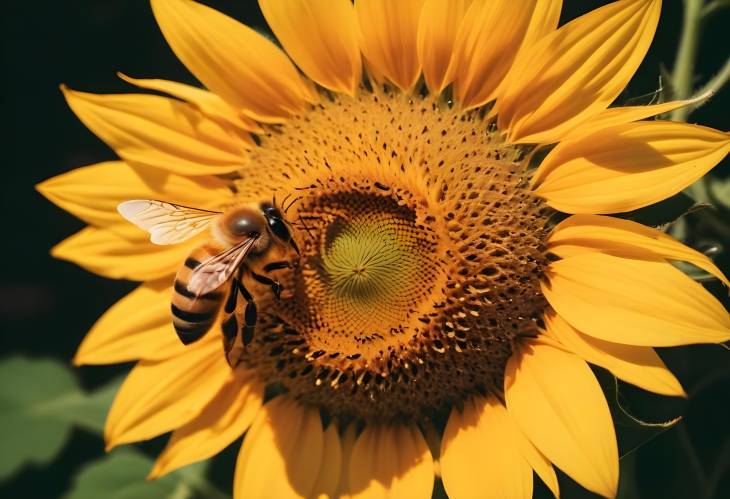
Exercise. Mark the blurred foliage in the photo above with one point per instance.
(40, 401)
(120, 475)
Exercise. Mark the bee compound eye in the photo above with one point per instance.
(270, 211)
(280, 229)
(245, 225)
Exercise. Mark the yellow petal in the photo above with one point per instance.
(331, 468)
(232, 60)
(112, 255)
(389, 31)
(627, 167)
(542, 465)
(435, 41)
(281, 454)
(627, 114)
(634, 302)
(321, 37)
(480, 454)
(486, 44)
(349, 436)
(226, 417)
(558, 404)
(158, 132)
(640, 366)
(544, 21)
(614, 236)
(391, 461)
(92, 193)
(208, 103)
(137, 327)
(574, 73)
(160, 396)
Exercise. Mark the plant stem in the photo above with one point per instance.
(684, 64)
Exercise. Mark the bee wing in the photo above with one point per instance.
(167, 223)
(217, 269)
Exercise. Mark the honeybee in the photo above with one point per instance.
(242, 239)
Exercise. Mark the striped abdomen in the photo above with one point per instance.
(193, 316)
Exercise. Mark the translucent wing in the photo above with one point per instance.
(167, 223)
(217, 269)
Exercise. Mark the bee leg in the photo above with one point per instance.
(230, 323)
(276, 266)
(275, 286)
(249, 315)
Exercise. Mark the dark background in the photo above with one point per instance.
(47, 306)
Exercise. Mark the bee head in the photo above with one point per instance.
(275, 220)
(243, 222)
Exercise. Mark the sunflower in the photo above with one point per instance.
(438, 322)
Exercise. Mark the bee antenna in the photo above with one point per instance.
(292, 204)
(309, 232)
(285, 198)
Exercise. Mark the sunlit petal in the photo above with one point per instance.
(158, 132)
(391, 461)
(321, 37)
(627, 114)
(226, 417)
(118, 257)
(437, 30)
(389, 32)
(93, 193)
(232, 60)
(628, 166)
(281, 454)
(615, 236)
(640, 366)
(576, 72)
(332, 463)
(486, 44)
(349, 436)
(634, 302)
(481, 455)
(208, 103)
(160, 396)
(559, 405)
(137, 327)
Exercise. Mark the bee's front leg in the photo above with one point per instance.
(250, 315)
(231, 324)
(275, 285)
(270, 267)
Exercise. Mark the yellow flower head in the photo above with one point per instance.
(433, 319)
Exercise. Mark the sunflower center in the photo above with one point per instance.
(421, 255)
(369, 270)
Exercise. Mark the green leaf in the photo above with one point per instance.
(27, 434)
(121, 475)
(87, 410)
(40, 401)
